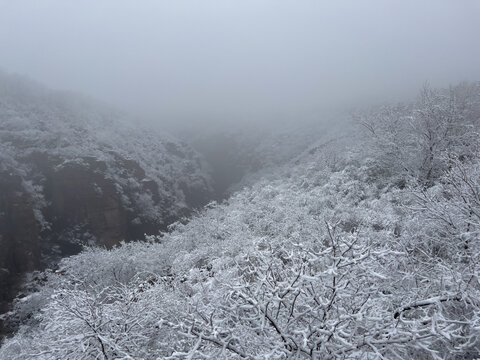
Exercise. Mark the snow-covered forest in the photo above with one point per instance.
(363, 246)
(241, 179)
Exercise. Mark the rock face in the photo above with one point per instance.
(83, 207)
(80, 196)
(75, 173)
(19, 237)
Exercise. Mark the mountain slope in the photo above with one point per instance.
(74, 172)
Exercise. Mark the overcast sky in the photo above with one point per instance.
(243, 59)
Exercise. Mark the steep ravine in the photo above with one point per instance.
(83, 205)
(75, 173)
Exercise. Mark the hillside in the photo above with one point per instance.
(362, 247)
(74, 172)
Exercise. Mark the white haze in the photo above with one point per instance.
(210, 61)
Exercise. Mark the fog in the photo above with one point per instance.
(217, 61)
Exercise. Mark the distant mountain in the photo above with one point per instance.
(75, 172)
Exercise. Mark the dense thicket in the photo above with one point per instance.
(364, 248)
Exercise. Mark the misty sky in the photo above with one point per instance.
(244, 59)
